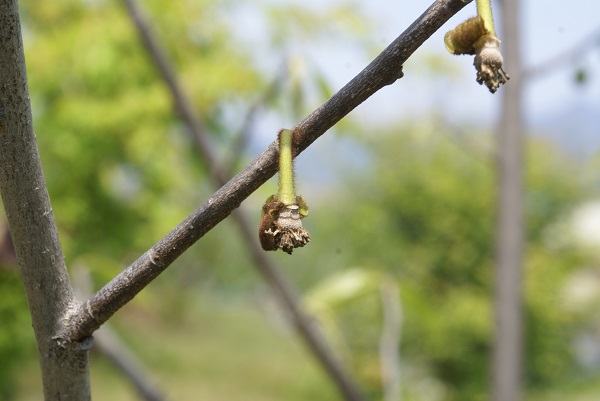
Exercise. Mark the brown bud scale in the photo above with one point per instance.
(280, 227)
(462, 39)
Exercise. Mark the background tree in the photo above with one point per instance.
(507, 359)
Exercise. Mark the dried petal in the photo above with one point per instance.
(284, 230)
(488, 62)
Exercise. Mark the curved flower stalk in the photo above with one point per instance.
(280, 225)
(477, 36)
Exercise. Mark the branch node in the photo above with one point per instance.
(83, 345)
(396, 75)
(155, 258)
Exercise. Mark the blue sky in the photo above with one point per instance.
(549, 28)
(552, 102)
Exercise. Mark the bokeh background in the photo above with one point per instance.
(402, 198)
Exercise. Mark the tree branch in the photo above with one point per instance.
(316, 343)
(384, 70)
(115, 350)
(590, 42)
(31, 222)
(507, 355)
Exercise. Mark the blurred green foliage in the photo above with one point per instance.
(16, 337)
(122, 172)
(121, 163)
(428, 219)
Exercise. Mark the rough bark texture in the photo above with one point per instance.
(507, 357)
(384, 70)
(64, 366)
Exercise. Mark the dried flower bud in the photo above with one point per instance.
(281, 227)
(488, 62)
(473, 37)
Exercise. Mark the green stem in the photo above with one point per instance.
(484, 9)
(286, 194)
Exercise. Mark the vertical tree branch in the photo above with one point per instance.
(507, 355)
(587, 44)
(64, 365)
(303, 322)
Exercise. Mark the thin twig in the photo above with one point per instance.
(384, 70)
(588, 43)
(182, 106)
(45, 279)
(302, 321)
(266, 267)
(117, 352)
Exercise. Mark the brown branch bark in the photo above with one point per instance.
(126, 361)
(31, 223)
(384, 70)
